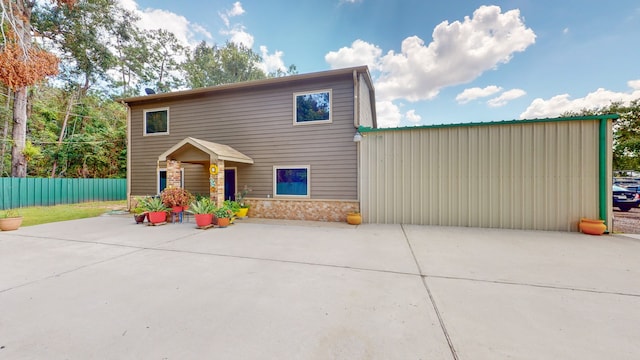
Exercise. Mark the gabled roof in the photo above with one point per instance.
(249, 84)
(215, 150)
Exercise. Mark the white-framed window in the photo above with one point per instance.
(291, 181)
(312, 107)
(162, 179)
(156, 121)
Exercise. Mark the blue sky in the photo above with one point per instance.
(436, 62)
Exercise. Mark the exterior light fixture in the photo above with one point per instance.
(357, 137)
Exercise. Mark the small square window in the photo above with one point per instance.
(156, 121)
(312, 107)
(291, 181)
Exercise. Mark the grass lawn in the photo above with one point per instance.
(45, 214)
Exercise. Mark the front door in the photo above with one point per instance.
(230, 184)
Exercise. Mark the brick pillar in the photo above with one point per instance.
(174, 175)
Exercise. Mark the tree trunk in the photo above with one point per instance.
(5, 133)
(19, 133)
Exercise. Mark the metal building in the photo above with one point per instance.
(542, 174)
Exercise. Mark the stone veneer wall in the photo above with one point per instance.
(174, 175)
(318, 210)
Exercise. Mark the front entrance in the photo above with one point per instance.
(230, 184)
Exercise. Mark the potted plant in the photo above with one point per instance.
(234, 206)
(240, 198)
(10, 220)
(156, 209)
(176, 198)
(139, 211)
(224, 214)
(203, 210)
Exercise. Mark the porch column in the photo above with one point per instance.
(174, 176)
(216, 193)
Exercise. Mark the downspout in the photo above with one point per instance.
(356, 124)
(356, 109)
(128, 155)
(602, 171)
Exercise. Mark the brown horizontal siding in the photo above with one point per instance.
(258, 123)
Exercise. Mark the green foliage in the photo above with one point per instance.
(31, 152)
(626, 133)
(10, 213)
(209, 66)
(75, 126)
(140, 204)
(36, 215)
(202, 206)
(94, 140)
(154, 204)
(234, 206)
(224, 211)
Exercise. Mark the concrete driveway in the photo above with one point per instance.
(105, 288)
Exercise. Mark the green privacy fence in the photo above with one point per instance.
(22, 192)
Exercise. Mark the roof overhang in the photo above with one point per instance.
(177, 95)
(192, 150)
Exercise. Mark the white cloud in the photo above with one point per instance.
(388, 114)
(560, 104)
(360, 53)
(239, 36)
(412, 116)
(186, 32)
(505, 97)
(271, 62)
(237, 10)
(634, 84)
(459, 52)
(476, 93)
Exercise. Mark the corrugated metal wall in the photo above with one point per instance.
(516, 175)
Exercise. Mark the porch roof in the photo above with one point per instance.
(183, 151)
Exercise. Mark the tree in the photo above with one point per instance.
(209, 66)
(23, 64)
(163, 70)
(626, 132)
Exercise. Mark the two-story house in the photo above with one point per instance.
(289, 139)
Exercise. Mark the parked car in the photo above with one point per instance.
(625, 199)
(628, 183)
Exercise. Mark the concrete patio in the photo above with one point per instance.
(106, 288)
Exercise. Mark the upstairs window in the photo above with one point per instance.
(312, 107)
(156, 121)
(291, 181)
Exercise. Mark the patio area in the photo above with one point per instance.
(264, 289)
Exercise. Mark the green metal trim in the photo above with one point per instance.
(602, 171)
(494, 123)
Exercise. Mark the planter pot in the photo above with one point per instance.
(203, 220)
(242, 212)
(156, 217)
(139, 218)
(12, 223)
(592, 226)
(176, 209)
(354, 218)
(223, 222)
